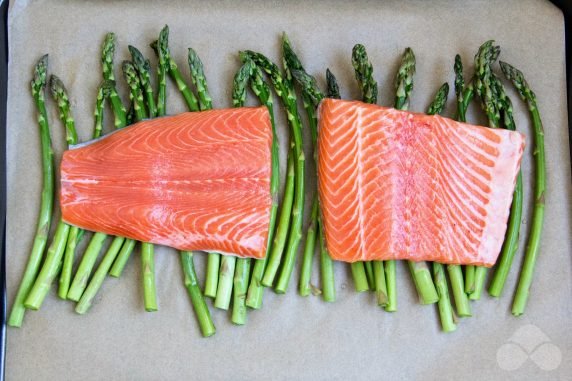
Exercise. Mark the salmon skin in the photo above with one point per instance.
(400, 185)
(194, 181)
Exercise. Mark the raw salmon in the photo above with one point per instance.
(399, 185)
(194, 181)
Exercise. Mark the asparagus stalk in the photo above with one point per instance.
(75, 233)
(533, 241)
(326, 263)
(96, 281)
(108, 51)
(263, 93)
(404, 86)
(304, 286)
(510, 244)
(239, 290)
(333, 88)
(86, 264)
(363, 70)
(55, 252)
(463, 94)
(296, 70)
(191, 282)
(122, 257)
(311, 96)
(135, 90)
(242, 265)
(161, 47)
(444, 303)
(364, 74)
(225, 282)
(74, 238)
(199, 305)
(127, 244)
(43, 227)
(147, 250)
(484, 58)
(288, 94)
(89, 258)
(224, 279)
(284, 89)
(162, 50)
(439, 101)
(380, 285)
(144, 70)
(211, 279)
(166, 63)
(200, 81)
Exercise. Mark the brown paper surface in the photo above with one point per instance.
(291, 337)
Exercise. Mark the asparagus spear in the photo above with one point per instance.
(262, 91)
(284, 89)
(464, 95)
(162, 50)
(96, 281)
(55, 252)
(239, 290)
(225, 282)
(364, 74)
(533, 241)
(444, 303)
(89, 258)
(404, 86)
(333, 88)
(43, 227)
(311, 96)
(147, 249)
(166, 63)
(205, 103)
(510, 244)
(144, 70)
(211, 279)
(484, 58)
(439, 101)
(199, 80)
(363, 70)
(191, 281)
(199, 305)
(326, 263)
(122, 257)
(161, 47)
(242, 267)
(108, 52)
(221, 276)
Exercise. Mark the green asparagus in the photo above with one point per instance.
(510, 244)
(533, 242)
(43, 227)
(284, 89)
(56, 250)
(403, 87)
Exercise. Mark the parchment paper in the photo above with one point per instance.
(291, 337)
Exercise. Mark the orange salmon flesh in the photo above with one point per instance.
(399, 185)
(194, 181)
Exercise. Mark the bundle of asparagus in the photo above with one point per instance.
(238, 281)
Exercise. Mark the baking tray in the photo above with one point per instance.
(268, 353)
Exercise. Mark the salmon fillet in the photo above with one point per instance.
(194, 181)
(400, 185)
